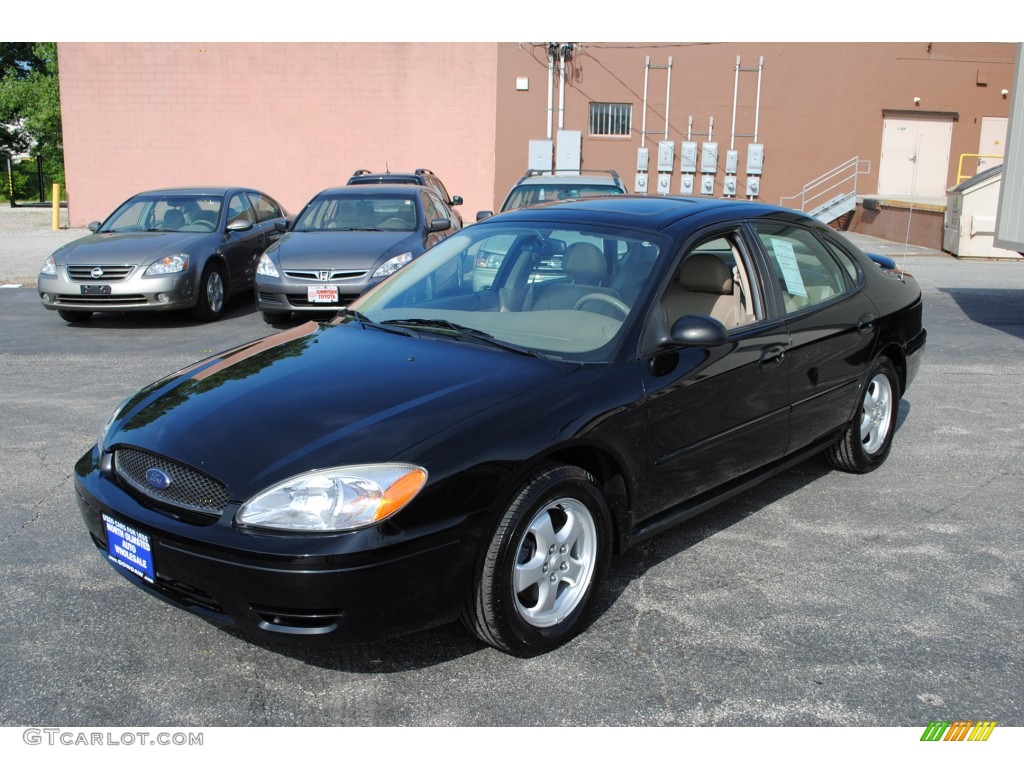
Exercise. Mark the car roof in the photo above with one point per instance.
(570, 181)
(211, 190)
(650, 212)
(370, 190)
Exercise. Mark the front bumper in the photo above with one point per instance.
(328, 589)
(289, 294)
(133, 293)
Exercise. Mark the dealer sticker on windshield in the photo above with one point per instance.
(322, 294)
(129, 549)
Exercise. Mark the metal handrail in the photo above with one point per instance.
(960, 168)
(811, 191)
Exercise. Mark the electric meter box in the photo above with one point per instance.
(686, 184)
(640, 185)
(664, 183)
(688, 156)
(709, 157)
(666, 155)
(643, 158)
(707, 184)
(567, 153)
(755, 158)
(732, 161)
(541, 155)
(753, 186)
(729, 187)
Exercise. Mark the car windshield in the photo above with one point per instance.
(532, 194)
(559, 291)
(172, 212)
(369, 212)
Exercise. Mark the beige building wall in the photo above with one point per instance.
(293, 118)
(287, 118)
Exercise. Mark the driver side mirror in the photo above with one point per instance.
(440, 225)
(239, 225)
(94, 226)
(698, 331)
(456, 200)
(481, 215)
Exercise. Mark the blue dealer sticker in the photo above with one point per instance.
(129, 549)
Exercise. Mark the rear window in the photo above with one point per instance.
(534, 194)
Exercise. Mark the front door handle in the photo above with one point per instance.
(772, 356)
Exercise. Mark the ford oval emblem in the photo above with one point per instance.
(158, 478)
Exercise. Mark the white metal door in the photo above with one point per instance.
(993, 142)
(915, 156)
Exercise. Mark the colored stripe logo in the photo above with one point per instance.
(958, 730)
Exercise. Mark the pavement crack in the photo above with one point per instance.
(38, 509)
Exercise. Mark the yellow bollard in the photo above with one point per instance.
(56, 207)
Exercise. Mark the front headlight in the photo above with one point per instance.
(335, 499)
(266, 267)
(393, 264)
(106, 427)
(49, 267)
(168, 265)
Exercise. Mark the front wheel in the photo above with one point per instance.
(868, 438)
(545, 564)
(212, 295)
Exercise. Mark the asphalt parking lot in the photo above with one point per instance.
(819, 598)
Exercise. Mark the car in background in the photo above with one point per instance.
(422, 176)
(440, 452)
(343, 242)
(537, 187)
(167, 249)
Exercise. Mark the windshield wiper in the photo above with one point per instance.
(460, 331)
(366, 322)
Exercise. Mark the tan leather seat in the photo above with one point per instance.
(702, 286)
(586, 270)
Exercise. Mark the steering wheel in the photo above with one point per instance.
(617, 303)
(206, 226)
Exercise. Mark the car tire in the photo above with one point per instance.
(74, 315)
(867, 440)
(275, 318)
(541, 574)
(212, 295)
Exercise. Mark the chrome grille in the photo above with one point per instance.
(108, 273)
(189, 488)
(332, 274)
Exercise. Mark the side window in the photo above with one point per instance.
(845, 260)
(713, 279)
(434, 208)
(266, 209)
(806, 272)
(238, 209)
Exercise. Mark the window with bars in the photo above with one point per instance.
(610, 119)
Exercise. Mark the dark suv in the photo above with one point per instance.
(421, 176)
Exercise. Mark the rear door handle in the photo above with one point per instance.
(865, 324)
(772, 357)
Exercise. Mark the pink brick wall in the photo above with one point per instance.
(287, 118)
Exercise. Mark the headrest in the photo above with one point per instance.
(584, 261)
(705, 273)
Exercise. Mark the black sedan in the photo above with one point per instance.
(345, 241)
(440, 450)
(166, 249)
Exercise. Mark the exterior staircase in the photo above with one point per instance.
(833, 194)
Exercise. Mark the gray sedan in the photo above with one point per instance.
(165, 249)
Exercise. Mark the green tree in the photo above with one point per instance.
(30, 105)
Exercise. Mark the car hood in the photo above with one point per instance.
(319, 395)
(314, 250)
(128, 247)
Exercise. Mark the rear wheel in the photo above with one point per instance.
(868, 438)
(212, 295)
(544, 567)
(74, 315)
